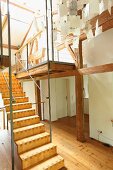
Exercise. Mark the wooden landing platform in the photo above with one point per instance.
(57, 69)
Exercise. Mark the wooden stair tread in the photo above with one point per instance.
(14, 104)
(25, 121)
(35, 151)
(19, 106)
(28, 139)
(27, 127)
(25, 118)
(17, 100)
(16, 97)
(55, 163)
(23, 110)
(6, 95)
(15, 92)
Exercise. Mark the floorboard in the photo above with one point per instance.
(91, 155)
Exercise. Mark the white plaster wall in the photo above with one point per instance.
(101, 106)
(29, 88)
(96, 52)
(99, 50)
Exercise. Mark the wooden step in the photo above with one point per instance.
(55, 163)
(15, 94)
(35, 156)
(6, 90)
(19, 106)
(17, 100)
(27, 131)
(25, 121)
(32, 142)
(6, 74)
(21, 113)
(14, 85)
(7, 78)
(3, 81)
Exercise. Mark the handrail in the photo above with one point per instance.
(8, 86)
(28, 74)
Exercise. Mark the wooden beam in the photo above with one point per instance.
(97, 69)
(31, 47)
(17, 20)
(79, 99)
(30, 40)
(4, 22)
(13, 47)
(70, 42)
(58, 75)
(102, 18)
(20, 6)
(73, 55)
(26, 34)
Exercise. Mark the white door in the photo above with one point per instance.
(61, 98)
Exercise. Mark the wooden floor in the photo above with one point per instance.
(78, 156)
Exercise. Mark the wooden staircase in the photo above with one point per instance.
(33, 147)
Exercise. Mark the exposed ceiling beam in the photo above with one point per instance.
(4, 22)
(73, 55)
(70, 42)
(20, 6)
(26, 34)
(97, 69)
(18, 20)
(13, 47)
(29, 41)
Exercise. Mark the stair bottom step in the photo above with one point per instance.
(54, 163)
(38, 155)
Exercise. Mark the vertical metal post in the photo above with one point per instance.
(47, 39)
(27, 58)
(15, 64)
(43, 111)
(1, 41)
(52, 40)
(10, 85)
